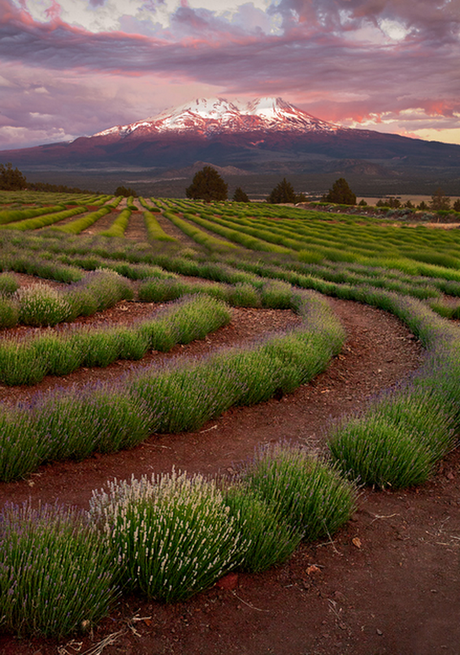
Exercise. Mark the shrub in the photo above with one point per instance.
(119, 225)
(174, 536)
(154, 229)
(243, 295)
(81, 422)
(270, 539)
(20, 453)
(309, 494)
(19, 363)
(184, 397)
(41, 305)
(59, 356)
(157, 290)
(8, 284)
(80, 224)
(277, 295)
(9, 312)
(108, 287)
(377, 451)
(56, 576)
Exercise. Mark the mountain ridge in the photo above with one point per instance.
(210, 116)
(265, 136)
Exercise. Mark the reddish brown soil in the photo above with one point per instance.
(387, 584)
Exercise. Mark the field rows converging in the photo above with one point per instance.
(294, 355)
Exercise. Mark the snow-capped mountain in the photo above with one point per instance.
(209, 116)
(267, 136)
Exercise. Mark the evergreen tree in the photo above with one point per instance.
(207, 185)
(282, 193)
(240, 195)
(125, 191)
(11, 180)
(439, 200)
(457, 205)
(341, 193)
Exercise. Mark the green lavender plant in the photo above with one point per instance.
(56, 575)
(9, 312)
(79, 423)
(42, 305)
(271, 540)
(20, 453)
(8, 284)
(308, 493)
(377, 452)
(173, 536)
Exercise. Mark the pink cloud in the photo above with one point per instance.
(313, 61)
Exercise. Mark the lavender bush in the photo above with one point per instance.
(173, 536)
(56, 575)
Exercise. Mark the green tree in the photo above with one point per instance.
(207, 185)
(283, 192)
(125, 191)
(341, 193)
(457, 205)
(11, 180)
(439, 200)
(422, 206)
(240, 195)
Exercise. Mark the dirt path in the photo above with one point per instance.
(387, 585)
(136, 228)
(173, 231)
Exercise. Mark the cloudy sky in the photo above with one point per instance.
(75, 67)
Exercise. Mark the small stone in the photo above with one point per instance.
(379, 632)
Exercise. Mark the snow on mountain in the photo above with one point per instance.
(207, 116)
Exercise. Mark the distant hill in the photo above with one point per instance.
(267, 136)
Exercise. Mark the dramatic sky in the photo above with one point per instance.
(75, 67)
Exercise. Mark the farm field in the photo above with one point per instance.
(142, 335)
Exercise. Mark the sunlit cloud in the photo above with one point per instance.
(73, 67)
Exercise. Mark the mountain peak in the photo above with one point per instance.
(210, 116)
